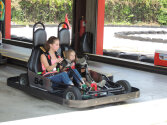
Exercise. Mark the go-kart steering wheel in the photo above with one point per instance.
(66, 63)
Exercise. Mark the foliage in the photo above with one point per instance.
(132, 11)
(41, 10)
(116, 11)
(162, 17)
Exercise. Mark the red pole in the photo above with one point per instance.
(7, 18)
(100, 27)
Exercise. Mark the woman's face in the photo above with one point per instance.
(55, 45)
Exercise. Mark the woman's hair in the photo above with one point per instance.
(51, 40)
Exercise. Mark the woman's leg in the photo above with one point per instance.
(61, 78)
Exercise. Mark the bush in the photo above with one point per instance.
(42, 10)
(162, 17)
(132, 11)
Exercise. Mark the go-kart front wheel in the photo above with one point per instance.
(72, 93)
(125, 84)
(23, 80)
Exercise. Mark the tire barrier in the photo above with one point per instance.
(14, 37)
(111, 53)
(145, 58)
(127, 35)
(128, 56)
(131, 56)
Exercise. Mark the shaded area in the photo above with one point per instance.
(17, 105)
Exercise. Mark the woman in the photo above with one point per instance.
(51, 46)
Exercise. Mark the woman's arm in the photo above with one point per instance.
(44, 61)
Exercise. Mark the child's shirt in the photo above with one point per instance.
(73, 65)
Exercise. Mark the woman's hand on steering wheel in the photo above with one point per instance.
(59, 60)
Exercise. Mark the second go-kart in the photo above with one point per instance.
(102, 89)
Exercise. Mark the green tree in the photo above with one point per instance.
(41, 10)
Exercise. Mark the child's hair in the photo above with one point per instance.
(67, 53)
(51, 40)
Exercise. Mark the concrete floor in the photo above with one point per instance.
(16, 104)
(150, 108)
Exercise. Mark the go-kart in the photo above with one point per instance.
(97, 93)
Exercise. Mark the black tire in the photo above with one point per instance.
(23, 80)
(126, 85)
(72, 93)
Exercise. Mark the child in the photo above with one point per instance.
(71, 57)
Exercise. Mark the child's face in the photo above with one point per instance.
(72, 56)
(55, 45)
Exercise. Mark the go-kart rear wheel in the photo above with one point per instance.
(125, 84)
(23, 80)
(72, 93)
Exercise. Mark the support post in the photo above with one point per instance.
(7, 19)
(100, 27)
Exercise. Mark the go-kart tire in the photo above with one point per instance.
(72, 93)
(125, 84)
(23, 80)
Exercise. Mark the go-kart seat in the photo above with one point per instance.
(64, 37)
(39, 38)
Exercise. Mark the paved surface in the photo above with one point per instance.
(134, 46)
(15, 105)
(149, 109)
